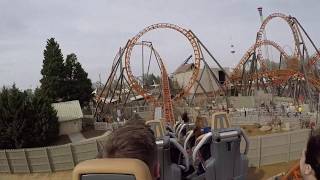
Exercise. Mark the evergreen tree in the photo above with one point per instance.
(77, 85)
(64, 80)
(52, 71)
(26, 120)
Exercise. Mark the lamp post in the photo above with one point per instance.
(264, 34)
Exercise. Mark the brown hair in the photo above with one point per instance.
(200, 123)
(133, 140)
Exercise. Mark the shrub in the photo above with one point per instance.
(26, 120)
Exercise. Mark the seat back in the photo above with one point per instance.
(111, 169)
(169, 154)
(226, 161)
(157, 127)
(220, 120)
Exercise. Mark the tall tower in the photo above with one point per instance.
(264, 34)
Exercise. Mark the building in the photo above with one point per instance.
(184, 72)
(70, 116)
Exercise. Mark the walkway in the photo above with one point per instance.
(76, 137)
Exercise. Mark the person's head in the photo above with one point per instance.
(185, 117)
(310, 159)
(199, 125)
(134, 140)
(200, 122)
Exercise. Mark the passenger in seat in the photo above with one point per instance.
(204, 153)
(185, 117)
(310, 159)
(201, 126)
(134, 140)
(186, 121)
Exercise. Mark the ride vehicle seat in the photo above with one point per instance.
(226, 161)
(183, 130)
(157, 127)
(220, 120)
(112, 169)
(173, 159)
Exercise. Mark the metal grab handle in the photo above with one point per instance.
(189, 134)
(247, 142)
(180, 131)
(186, 159)
(200, 144)
(178, 128)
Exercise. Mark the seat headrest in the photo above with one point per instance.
(220, 120)
(157, 127)
(121, 168)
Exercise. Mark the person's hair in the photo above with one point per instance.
(199, 124)
(133, 140)
(313, 154)
(185, 117)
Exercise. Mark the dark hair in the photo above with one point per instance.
(133, 140)
(185, 117)
(199, 124)
(313, 154)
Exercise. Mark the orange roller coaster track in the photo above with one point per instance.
(251, 50)
(167, 101)
(196, 51)
(287, 19)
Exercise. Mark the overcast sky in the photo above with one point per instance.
(95, 29)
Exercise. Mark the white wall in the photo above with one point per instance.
(276, 148)
(69, 127)
(49, 159)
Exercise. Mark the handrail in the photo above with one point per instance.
(186, 158)
(200, 144)
(189, 134)
(247, 142)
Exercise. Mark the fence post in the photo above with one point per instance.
(48, 158)
(259, 145)
(99, 148)
(290, 139)
(25, 156)
(72, 156)
(8, 162)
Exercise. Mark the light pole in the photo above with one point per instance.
(264, 34)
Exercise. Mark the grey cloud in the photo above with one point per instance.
(95, 30)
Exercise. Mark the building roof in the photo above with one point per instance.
(67, 111)
(184, 68)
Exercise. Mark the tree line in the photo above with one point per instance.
(27, 118)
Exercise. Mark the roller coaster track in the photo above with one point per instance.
(261, 30)
(252, 49)
(167, 101)
(283, 75)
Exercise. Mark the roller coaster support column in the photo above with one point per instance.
(206, 64)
